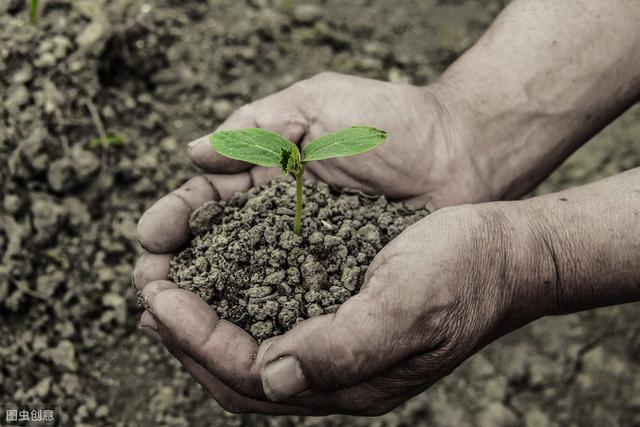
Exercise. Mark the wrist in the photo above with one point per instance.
(532, 89)
(585, 236)
(500, 261)
(528, 276)
(506, 139)
(455, 172)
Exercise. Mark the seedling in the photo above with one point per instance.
(105, 138)
(109, 139)
(264, 148)
(34, 11)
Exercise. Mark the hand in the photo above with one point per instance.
(460, 277)
(420, 162)
(431, 298)
(424, 159)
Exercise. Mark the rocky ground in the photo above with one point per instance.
(98, 100)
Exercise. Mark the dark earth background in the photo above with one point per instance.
(160, 73)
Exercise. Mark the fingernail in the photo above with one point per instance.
(152, 289)
(198, 141)
(283, 378)
(147, 321)
(150, 332)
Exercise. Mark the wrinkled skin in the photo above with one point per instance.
(411, 324)
(421, 129)
(503, 116)
(418, 315)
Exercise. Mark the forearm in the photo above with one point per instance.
(545, 77)
(577, 249)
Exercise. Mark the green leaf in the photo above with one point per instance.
(290, 160)
(285, 157)
(110, 139)
(345, 142)
(257, 146)
(113, 139)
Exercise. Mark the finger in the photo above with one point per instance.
(371, 398)
(147, 321)
(366, 399)
(206, 158)
(260, 175)
(228, 399)
(283, 113)
(149, 268)
(231, 401)
(164, 227)
(384, 392)
(148, 324)
(362, 339)
(224, 349)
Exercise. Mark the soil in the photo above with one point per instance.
(249, 265)
(162, 73)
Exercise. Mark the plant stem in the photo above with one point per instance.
(34, 11)
(297, 221)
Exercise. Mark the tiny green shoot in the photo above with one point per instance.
(109, 139)
(264, 148)
(34, 11)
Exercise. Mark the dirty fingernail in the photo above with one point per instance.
(198, 141)
(154, 288)
(283, 378)
(152, 333)
(147, 321)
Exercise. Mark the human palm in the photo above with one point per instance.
(421, 161)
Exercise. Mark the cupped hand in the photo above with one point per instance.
(423, 160)
(431, 298)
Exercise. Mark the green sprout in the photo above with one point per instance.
(264, 148)
(109, 139)
(34, 11)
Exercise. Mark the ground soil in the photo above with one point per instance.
(249, 265)
(161, 73)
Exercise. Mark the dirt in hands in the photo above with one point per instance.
(249, 265)
(161, 73)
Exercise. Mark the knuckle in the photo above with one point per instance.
(244, 111)
(335, 367)
(302, 85)
(281, 120)
(324, 75)
(344, 366)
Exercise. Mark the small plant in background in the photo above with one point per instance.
(109, 139)
(34, 11)
(105, 139)
(264, 148)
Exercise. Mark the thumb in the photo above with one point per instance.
(283, 113)
(365, 337)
